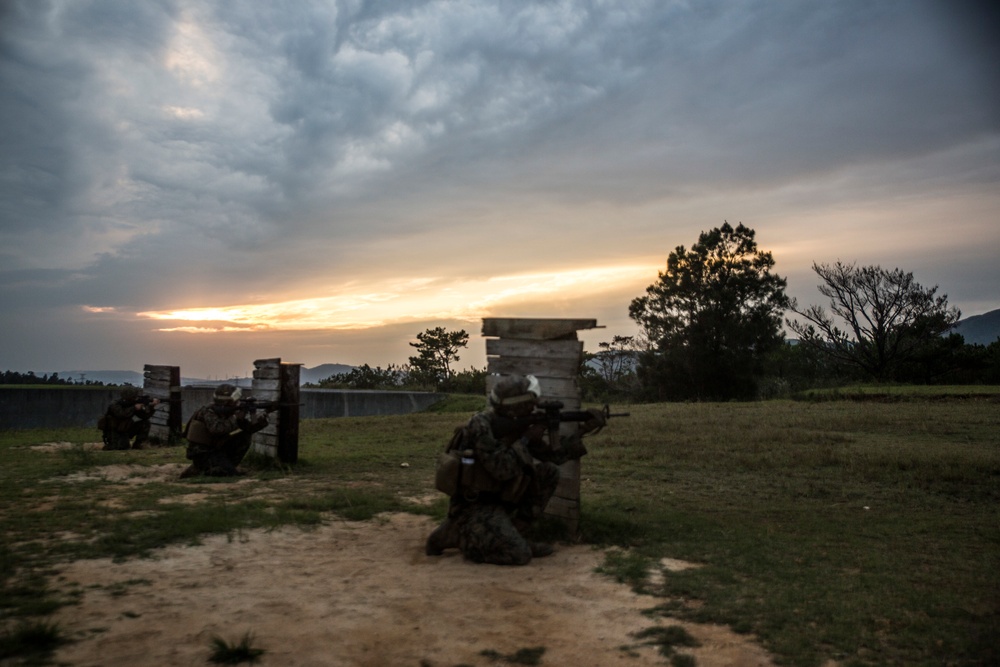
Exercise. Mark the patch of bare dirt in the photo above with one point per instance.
(363, 594)
(56, 446)
(134, 474)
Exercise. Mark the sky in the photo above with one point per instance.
(203, 184)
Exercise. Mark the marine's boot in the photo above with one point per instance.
(191, 471)
(444, 537)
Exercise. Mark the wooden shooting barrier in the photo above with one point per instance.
(549, 350)
(279, 382)
(164, 383)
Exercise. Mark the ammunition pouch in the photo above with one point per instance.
(458, 473)
(197, 433)
(448, 474)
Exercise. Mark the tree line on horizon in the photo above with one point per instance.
(14, 377)
(710, 328)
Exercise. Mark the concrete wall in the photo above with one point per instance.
(55, 407)
(346, 403)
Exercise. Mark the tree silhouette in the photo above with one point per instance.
(889, 319)
(437, 350)
(711, 318)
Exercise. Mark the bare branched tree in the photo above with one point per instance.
(888, 319)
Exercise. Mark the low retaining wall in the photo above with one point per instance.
(57, 407)
(54, 407)
(321, 403)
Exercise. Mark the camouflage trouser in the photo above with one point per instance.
(114, 439)
(488, 531)
(219, 461)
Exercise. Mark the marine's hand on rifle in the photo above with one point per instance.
(251, 405)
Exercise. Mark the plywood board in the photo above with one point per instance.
(559, 389)
(540, 367)
(267, 373)
(563, 508)
(534, 329)
(556, 349)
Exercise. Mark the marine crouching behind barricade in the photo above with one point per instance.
(500, 471)
(219, 434)
(125, 424)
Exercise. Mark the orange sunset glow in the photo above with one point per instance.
(399, 301)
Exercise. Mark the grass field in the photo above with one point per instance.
(864, 532)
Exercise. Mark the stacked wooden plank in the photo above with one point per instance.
(549, 350)
(164, 383)
(274, 381)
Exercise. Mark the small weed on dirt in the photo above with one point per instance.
(224, 653)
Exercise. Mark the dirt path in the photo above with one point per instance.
(362, 594)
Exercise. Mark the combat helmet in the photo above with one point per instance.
(514, 389)
(130, 393)
(227, 393)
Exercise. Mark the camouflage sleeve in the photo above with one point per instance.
(217, 424)
(252, 426)
(502, 461)
(570, 447)
(121, 411)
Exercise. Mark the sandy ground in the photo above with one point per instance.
(362, 593)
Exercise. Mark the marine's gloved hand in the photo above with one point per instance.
(596, 421)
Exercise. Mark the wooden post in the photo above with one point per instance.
(549, 350)
(288, 414)
(275, 381)
(164, 383)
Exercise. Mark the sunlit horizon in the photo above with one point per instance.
(400, 301)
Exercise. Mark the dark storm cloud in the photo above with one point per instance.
(155, 154)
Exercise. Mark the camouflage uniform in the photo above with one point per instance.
(123, 422)
(219, 435)
(487, 525)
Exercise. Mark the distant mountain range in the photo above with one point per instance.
(134, 378)
(980, 329)
(322, 372)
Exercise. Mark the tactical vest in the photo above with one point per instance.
(458, 472)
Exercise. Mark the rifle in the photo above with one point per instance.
(551, 414)
(251, 405)
(148, 400)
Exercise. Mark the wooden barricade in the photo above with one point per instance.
(164, 383)
(278, 382)
(549, 350)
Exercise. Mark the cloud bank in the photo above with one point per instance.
(294, 159)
